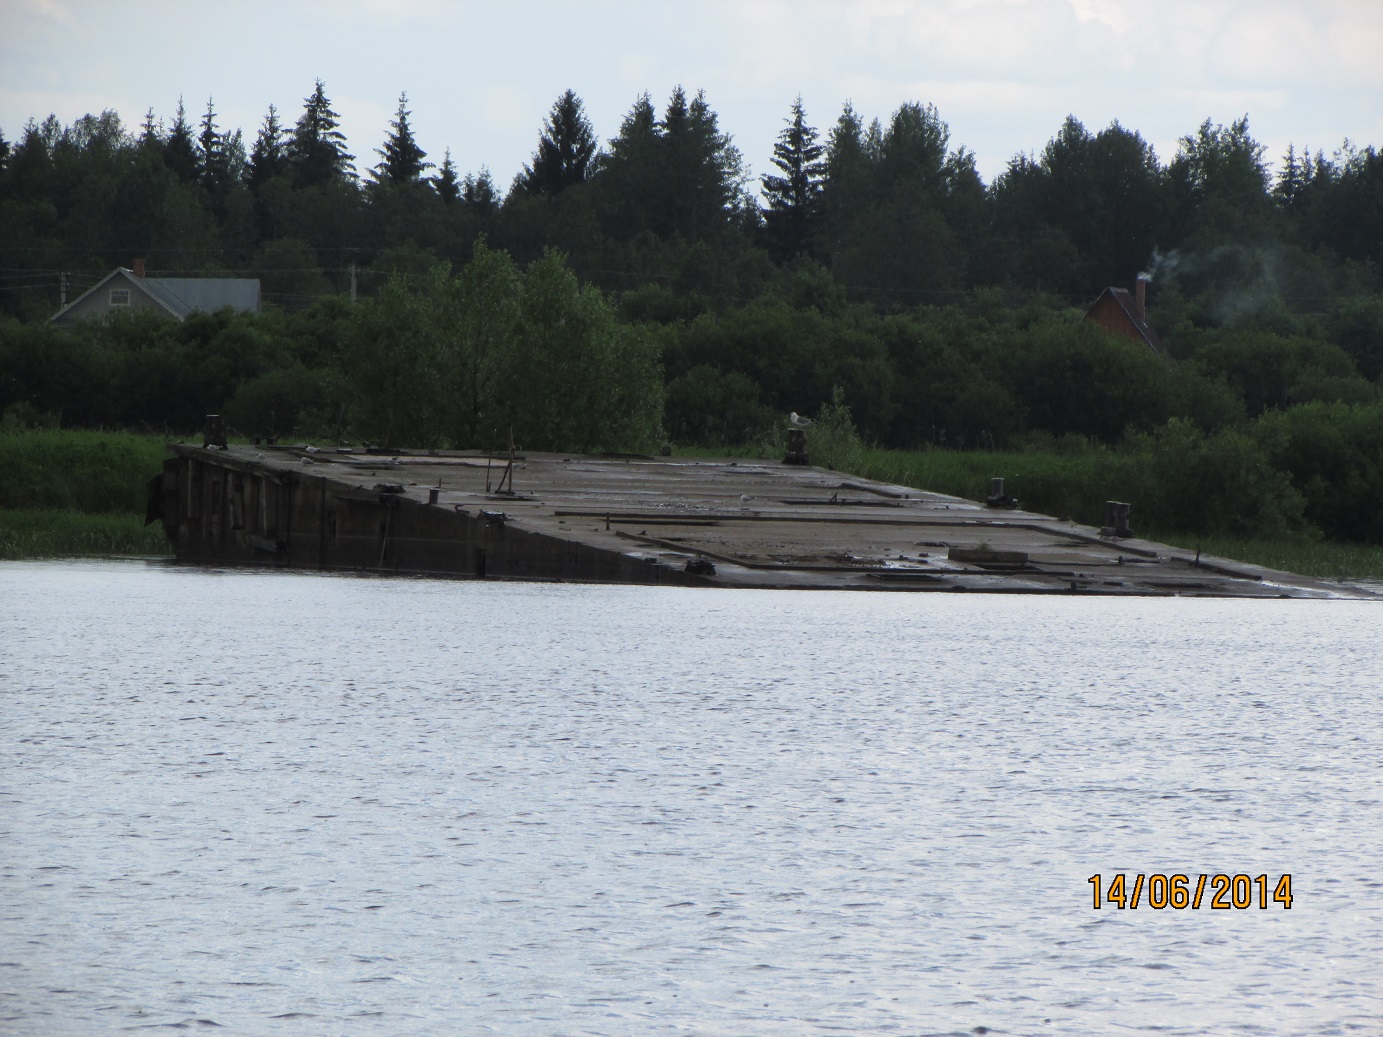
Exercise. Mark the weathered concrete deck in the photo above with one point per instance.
(677, 521)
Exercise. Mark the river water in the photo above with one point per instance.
(299, 804)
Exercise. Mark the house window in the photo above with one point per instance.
(119, 296)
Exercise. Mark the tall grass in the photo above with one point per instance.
(68, 469)
(68, 493)
(1074, 486)
(1068, 486)
(46, 533)
(1325, 559)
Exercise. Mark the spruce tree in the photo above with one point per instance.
(267, 158)
(479, 192)
(703, 173)
(317, 151)
(794, 199)
(637, 132)
(627, 186)
(1293, 179)
(402, 158)
(150, 134)
(676, 118)
(566, 150)
(634, 150)
(212, 162)
(180, 147)
(446, 183)
(848, 177)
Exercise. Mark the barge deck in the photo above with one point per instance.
(640, 520)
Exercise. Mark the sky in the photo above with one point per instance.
(481, 77)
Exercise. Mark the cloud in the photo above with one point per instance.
(481, 77)
(1226, 103)
(48, 10)
(395, 11)
(365, 121)
(68, 105)
(1111, 14)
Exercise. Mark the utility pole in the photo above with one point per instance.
(352, 282)
(62, 290)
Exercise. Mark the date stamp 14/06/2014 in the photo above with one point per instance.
(1226, 892)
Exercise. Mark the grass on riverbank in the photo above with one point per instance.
(51, 533)
(1320, 558)
(76, 470)
(69, 493)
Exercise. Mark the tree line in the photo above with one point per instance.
(894, 210)
(643, 290)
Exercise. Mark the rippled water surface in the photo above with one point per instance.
(297, 804)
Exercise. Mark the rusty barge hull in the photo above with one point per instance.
(663, 521)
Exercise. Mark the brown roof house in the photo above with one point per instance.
(1126, 313)
(125, 290)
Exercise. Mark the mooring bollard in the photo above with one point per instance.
(997, 498)
(214, 433)
(1116, 522)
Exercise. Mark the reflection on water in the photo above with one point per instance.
(311, 804)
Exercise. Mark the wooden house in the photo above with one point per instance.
(124, 290)
(1126, 313)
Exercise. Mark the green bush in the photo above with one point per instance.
(1271, 371)
(1333, 453)
(711, 406)
(833, 441)
(1223, 483)
(291, 401)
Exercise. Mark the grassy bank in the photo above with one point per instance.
(67, 493)
(49, 533)
(74, 470)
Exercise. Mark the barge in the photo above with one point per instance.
(643, 520)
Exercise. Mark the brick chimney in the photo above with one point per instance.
(1140, 296)
(139, 272)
